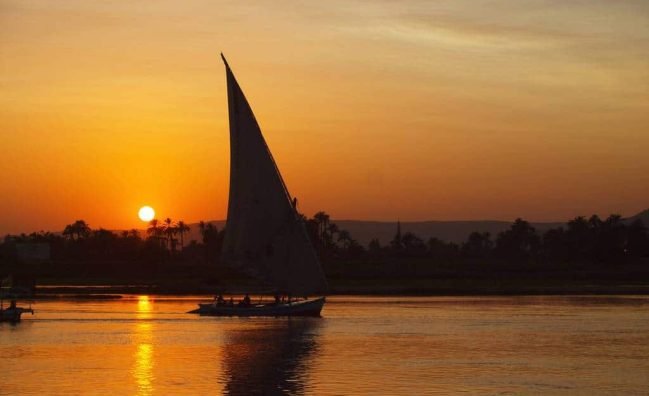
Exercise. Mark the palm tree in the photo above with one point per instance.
(412, 244)
(478, 245)
(201, 227)
(182, 229)
(69, 231)
(345, 238)
(170, 231)
(519, 242)
(323, 222)
(397, 242)
(82, 229)
(153, 228)
(374, 245)
(333, 229)
(79, 228)
(209, 234)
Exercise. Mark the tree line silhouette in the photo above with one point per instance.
(162, 250)
(581, 240)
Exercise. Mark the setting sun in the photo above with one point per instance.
(146, 213)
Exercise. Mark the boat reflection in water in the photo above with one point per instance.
(270, 356)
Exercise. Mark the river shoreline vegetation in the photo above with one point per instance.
(585, 256)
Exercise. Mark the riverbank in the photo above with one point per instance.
(414, 287)
(396, 277)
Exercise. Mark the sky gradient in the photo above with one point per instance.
(416, 110)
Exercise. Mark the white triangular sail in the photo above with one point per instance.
(264, 234)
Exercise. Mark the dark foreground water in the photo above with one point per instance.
(147, 345)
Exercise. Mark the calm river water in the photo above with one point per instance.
(147, 345)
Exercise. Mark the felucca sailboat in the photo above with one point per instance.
(264, 234)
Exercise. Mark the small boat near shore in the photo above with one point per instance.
(13, 314)
(265, 235)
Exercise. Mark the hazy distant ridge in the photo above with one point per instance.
(450, 231)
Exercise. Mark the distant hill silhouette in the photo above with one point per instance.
(449, 231)
(644, 216)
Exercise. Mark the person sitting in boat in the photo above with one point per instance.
(245, 302)
(220, 300)
(278, 299)
(12, 305)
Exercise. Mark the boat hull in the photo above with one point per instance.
(13, 314)
(311, 307)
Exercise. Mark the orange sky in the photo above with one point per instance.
(373, 110)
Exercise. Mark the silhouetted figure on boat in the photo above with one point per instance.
(220, 300)
(12, 305)
(245, 302)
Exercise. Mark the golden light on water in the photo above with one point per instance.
(143, 369)
(144, 307)
(143, 339)
(143, 304)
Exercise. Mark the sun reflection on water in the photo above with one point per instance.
(143, 339)
(143, 371)
(143, 307)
